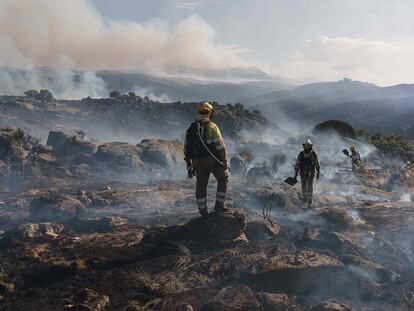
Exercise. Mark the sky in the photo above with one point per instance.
(303, 40)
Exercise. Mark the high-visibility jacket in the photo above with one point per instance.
(213, 138)
(307, 162)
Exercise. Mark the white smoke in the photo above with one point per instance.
(40, 32)
(149, 92)
(71, 34)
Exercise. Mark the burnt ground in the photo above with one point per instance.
(143, 247)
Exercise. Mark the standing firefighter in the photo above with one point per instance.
(355, 158)
(205, 153)
(307, 164)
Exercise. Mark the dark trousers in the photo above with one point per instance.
(306, 179)
(203, 168)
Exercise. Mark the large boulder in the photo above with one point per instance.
(71, 149)
(217, 226)
(52, 206)
(338, 127)
(56, 138)
(162, 153)
(120, 156)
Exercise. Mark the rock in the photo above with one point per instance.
(261, 171)
(106, 224)
(56, 139)
(233, 298)
(163, 153)
(216, 226)
(295, 272)
(43, 95)
(34, 231)
(313, 237)
(238, 165)
(120, 156)
(46, 158)
(332, 305)
(278, 302)
(75, 150)
(262, 229)
(54, 206)
(338, 127)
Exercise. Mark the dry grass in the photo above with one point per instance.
(409, 300)
(184, 258)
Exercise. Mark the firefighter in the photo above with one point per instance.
(205, 154)
(355, 158)
(307, 164)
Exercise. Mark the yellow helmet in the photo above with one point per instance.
(205, 107)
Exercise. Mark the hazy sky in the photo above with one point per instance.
(364, 39)
(306, 40)
(273, 29)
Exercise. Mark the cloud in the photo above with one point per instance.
(325, 58)
(40, 32)
(186, 4)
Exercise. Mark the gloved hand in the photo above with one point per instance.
(190, 172)
(317, 175)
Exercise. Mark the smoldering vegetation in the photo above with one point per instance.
(96, 213)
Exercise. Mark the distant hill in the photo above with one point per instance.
(364, 105)
(226, 85)
(333, 92)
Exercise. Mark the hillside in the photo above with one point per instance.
(364, 105)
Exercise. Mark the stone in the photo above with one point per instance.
(332, 305)
(162, 153)
(233, 298)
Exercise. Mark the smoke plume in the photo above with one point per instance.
(40, 33)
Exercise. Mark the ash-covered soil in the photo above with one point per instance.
(88, 225)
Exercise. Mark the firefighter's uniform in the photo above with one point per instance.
(207, 165)
(307, 164)
(356, 160)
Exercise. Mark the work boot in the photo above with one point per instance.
(220, 208)
(203, 212)
(304, 198)
(309, 203)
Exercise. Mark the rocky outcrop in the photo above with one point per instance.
(338, 127)
(162, 153)
(217, 226)
(120, 156)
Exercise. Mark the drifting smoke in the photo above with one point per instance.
(43, 33)
(149, 92)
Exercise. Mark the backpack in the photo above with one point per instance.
(195, 148)
(307, 164)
